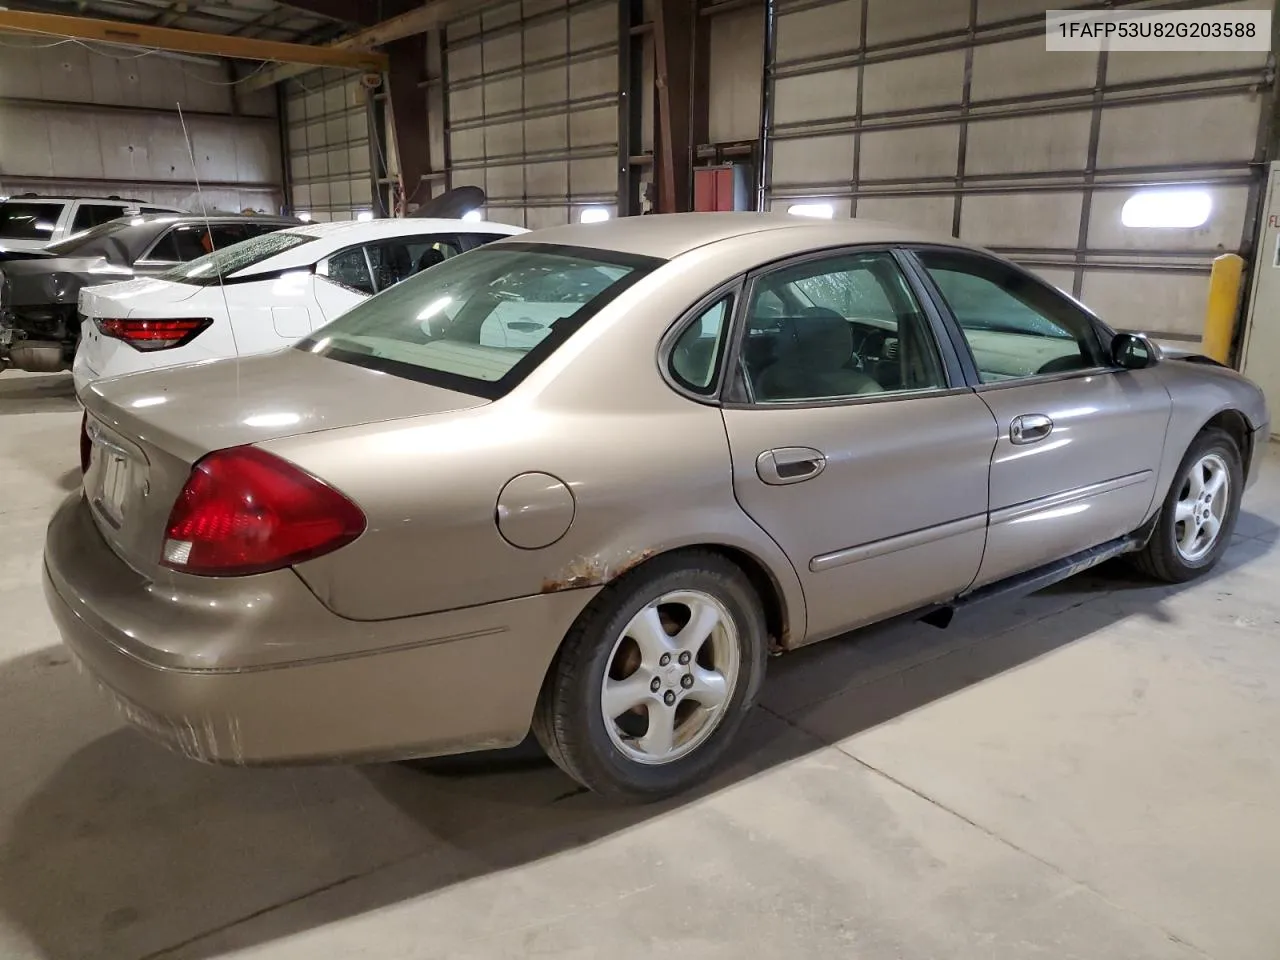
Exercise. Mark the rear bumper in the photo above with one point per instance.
(215, 690)
(81, 373)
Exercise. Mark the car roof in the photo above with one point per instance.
(335, 235)
(146, 218)
(356, 231)
(666, 236)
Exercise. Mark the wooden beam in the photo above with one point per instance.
(673, 38)
(187, 41)
(429, 16)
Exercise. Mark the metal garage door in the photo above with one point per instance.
(951, 115)
(533, 109)
(328, 145)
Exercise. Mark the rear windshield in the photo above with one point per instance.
(23, 220)
(481, 321)
(207, 270)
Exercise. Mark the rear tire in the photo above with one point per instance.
(1199, 513)
(655, 679)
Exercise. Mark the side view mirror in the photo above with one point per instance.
(1133, 351)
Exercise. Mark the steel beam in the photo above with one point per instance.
(429, 16)
(186, 41)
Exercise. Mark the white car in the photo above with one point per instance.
(259, 295)
(29, 221)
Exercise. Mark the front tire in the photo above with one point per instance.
(655, 678)
(1199, 513)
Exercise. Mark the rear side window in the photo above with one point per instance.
(21, 220)
(93, 214)
(350, 269)
(181, 244)
(480, 323)
(695, 356)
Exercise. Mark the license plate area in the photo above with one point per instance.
(113, 478)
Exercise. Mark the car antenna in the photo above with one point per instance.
(208, 231)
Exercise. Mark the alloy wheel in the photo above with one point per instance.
(671, 674)
(1201, 508)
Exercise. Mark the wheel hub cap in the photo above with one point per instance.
(670, 677)
(1201, 508)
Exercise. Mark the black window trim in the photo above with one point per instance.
(736, 393)
(1101, 331)
(641, 267)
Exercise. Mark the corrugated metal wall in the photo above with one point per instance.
(950, 115)
(327, 135)
(533, 108)
(77, 121)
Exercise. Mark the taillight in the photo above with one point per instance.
(245, 511)
(85, 444)
(148, 335)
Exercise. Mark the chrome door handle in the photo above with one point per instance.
(784, 465)
(1029, 428)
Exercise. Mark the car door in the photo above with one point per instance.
(1079, 439)
(855, 443)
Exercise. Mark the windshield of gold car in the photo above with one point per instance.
(480, 321)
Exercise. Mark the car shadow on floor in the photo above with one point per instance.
(37, 393)
(113, 848)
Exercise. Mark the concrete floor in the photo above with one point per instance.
(1091, 773)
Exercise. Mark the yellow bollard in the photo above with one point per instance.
(1224, 306)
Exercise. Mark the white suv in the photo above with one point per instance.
(28, 221)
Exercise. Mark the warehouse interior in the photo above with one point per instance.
(1088, 771)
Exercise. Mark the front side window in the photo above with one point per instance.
(391, 261)
(480, 323)
(695, 355)
(1015, 326)
(206, 270)
(836, 328)
(426, 252)
(20, 220)
(92, 214)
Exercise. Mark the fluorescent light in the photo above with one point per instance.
(1167, 208)
(593, 215)
(304, 217)
(823, 211)
(364, 215)
(473, 216)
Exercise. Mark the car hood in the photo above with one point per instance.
(53, 279)
(117, 299)
(191, 409)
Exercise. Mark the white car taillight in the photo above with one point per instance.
(149, 335)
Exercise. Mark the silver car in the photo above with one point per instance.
(721, 436)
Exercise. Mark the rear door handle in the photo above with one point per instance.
(1029, 428)
(784, 465)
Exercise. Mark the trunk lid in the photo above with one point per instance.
(147, 429)
(118, 299)
(143, 297)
